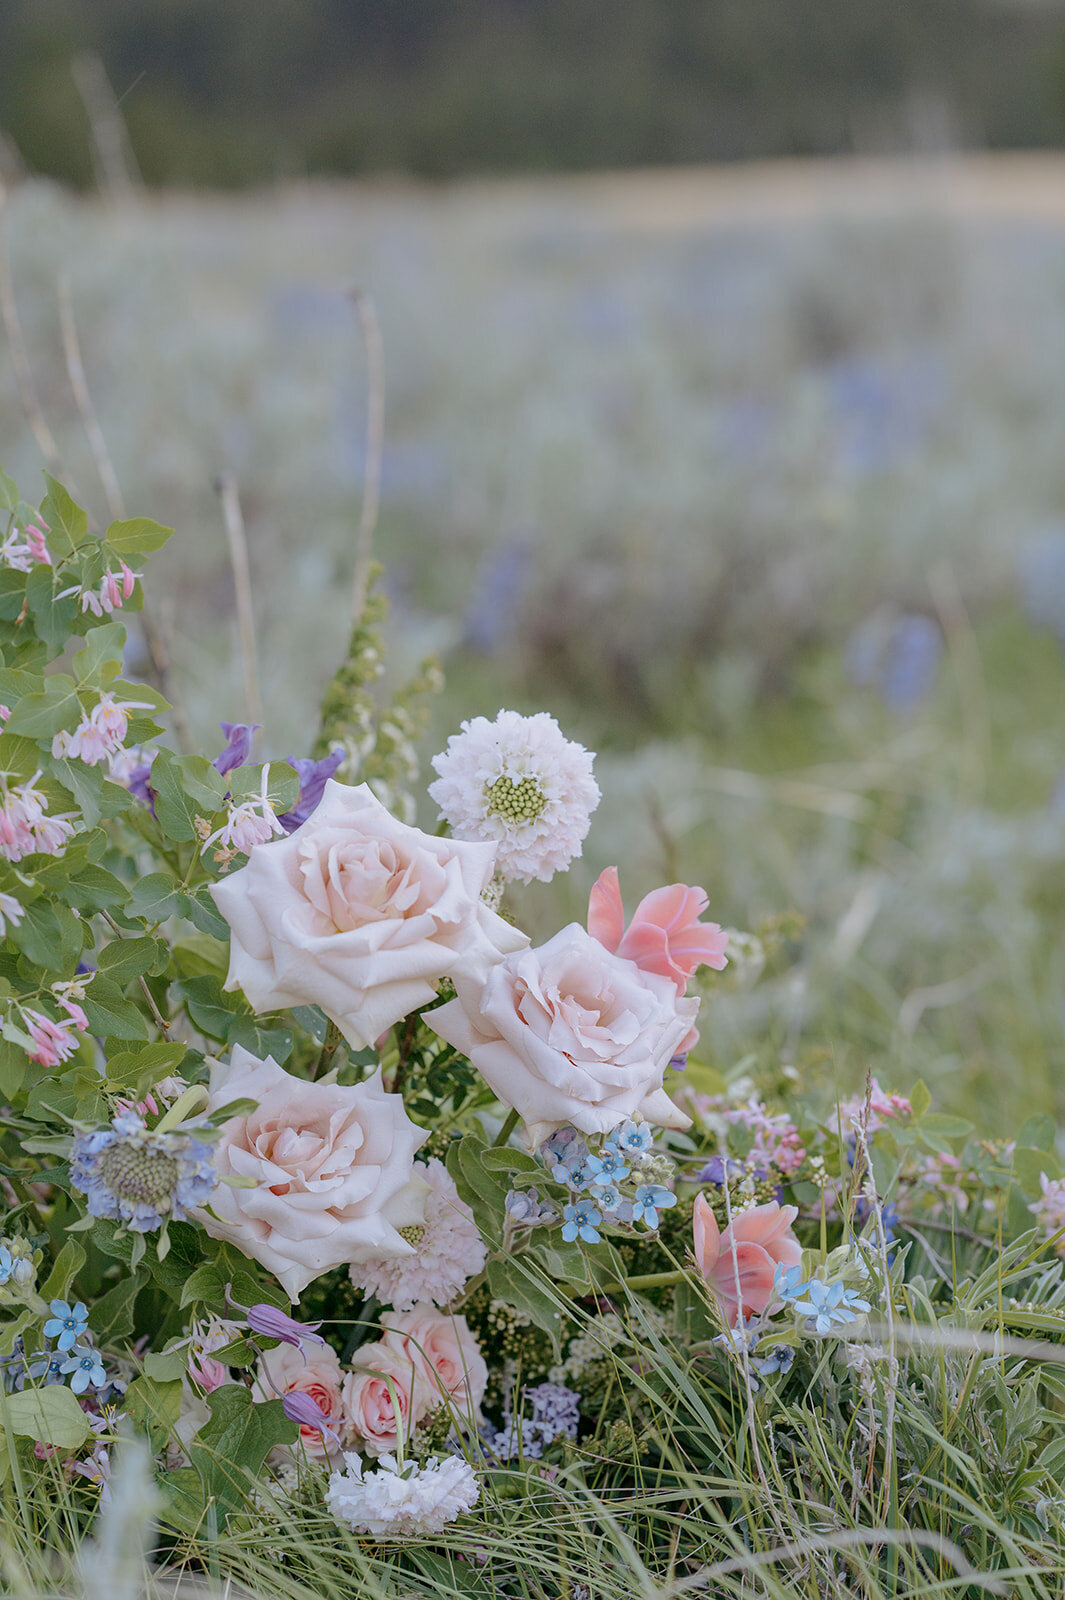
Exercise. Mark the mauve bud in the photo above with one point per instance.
(275, 1324)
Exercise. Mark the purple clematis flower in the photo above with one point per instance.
(304, 1409)
(275, 1324)
(313, 776)
(238, 745)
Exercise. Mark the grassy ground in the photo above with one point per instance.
(656, 447)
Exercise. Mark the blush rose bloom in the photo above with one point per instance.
(383, 1397)
(751, 1248)
(569, 1033)
(361, 915)
(333, 1170)
(285, 1371)
(442, 1351)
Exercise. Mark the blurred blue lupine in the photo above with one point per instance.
(897, 657)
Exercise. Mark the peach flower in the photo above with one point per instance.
(317, 1374)
(444, 1353)
(569, 1033)
(384, 1396)
(333, 1170)
(751, 1248)
(665, 934)
(361, 915)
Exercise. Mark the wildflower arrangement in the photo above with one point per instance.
(322, 1178)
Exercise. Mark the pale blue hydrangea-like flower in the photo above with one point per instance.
(143, 1178)
(830, 1305)
(650, 1199)
(579, 1221)
(633, 1139)
(580, 1171)
(66, 1324)
(612, 1164)
(15, 1269)
(87, 1368)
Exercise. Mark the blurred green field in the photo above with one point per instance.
(755, 478)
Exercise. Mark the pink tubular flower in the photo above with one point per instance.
(75, 1013)
(665, 934)
(745, 1256)
(53, 1041)
(37, 546)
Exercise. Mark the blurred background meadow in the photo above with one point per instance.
(724, 355)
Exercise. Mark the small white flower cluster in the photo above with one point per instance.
(605, 1335)
(519, 784)
(399, 1503)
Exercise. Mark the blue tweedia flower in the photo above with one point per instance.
(579, 1221)
(139, 1177)
(67, 1323)
(787, 1283)
(607, 1196)
(16, 1269)
(633, 1139)
(580, 1172)
(649, 1200)
(563, 1144)
(88, 1369)
(612, 1164)
(830, 1305)
(47, 1366)
(780, 1359)
(7, 1264)
(13, 1367)
(744, 1336)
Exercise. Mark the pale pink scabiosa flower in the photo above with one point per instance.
(448, 1250)
(521, 785)
(745, 1257)
(408, 1502)
(1049, 1209)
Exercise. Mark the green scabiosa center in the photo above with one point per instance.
(414, 1234)
(515, 802)
(139, 1175)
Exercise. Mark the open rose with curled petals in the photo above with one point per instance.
(740, 1264)
(333, 1169)
(385, 1396)
(569, 1033)
(442, 1349)
(361, 915)
(317, 1374)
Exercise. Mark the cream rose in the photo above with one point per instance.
(361, 915)
(317, 1373)
(333, 1170)
(569, 1033)
(443, 1351)
(384, 1396)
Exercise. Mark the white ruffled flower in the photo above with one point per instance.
(395, 1503)
(448, 1250)
(520, 784)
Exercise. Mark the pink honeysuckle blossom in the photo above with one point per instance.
(38, 548)
(76, 1014)
(25, 828)
(248, 824)
(53, 1041)
(665, 934)
(100, 733)
(746, 1256)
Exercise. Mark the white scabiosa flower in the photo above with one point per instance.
(448, 1250)
(520, 784)
(402, 1503)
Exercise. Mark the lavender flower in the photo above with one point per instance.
(141, 1177)
(313, 776)
(275, 1324)
(238, 746)
(555, 1415)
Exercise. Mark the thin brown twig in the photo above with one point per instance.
(238, 557)
(160, 1020)
(375, 440)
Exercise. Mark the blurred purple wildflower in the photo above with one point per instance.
(313, 776)
(238, 745)
(898, 657)
(275, 1324)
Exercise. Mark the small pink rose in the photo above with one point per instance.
(384, 1396)
(443, 1351)
(317, 1374)
(746, 1255)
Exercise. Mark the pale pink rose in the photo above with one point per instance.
(751, 1248)
(361, 915)
(384, 1396)
(443, 1350)
(332, 1169)
(317, 1373)
(665, 934)
(570, 1033)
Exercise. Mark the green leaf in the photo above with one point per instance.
(213, 1011)
(1029, 1166)
(50, 935)
(166, 1365)
(518, 1285)
(68, 1263)
(154, 1407)
(68, 522)
(111, 1314)
(99, 660)
(137, 1070)
(14, 1065)
(138, 536)
(155, 898)
(41, 715)
(51, 1416)
(55, 618)
(124, 959)
(8, 492)
(110, 1013)
(501, 1158)
(205, 915)
(920, 1098)
(1038, 1133)
(186, 787)
(230, 1450)
(92, 888)
(94, 794)
(260, 1041)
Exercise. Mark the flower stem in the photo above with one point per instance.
(649, 1280)
(507, 1129)
(330, 1045)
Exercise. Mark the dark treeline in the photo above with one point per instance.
(238, 91)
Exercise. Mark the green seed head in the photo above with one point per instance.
(515, 802)
(139, 1175)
